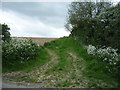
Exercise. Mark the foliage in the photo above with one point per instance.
(19, 49)
(5, 32)
(106, 54)
(102, 27)
(29, 65)
(110, 27)
(81, 10)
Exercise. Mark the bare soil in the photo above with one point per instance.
(39, 40)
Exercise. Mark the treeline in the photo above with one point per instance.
(96, 23)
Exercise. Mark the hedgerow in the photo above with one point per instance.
(107, 55)
(19, 49)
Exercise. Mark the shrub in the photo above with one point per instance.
(46, 43)
(5, 32)
(19, 49)
(106, 54)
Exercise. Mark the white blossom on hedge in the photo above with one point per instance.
(91, 49)
(19, 49)
(107, 54)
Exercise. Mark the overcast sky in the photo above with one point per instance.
(35, 19)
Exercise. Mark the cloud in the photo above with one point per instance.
(23, 25)
(47, 12)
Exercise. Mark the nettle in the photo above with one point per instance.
(19, 49)
(106, 54)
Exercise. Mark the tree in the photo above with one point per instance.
(96, 23)
(5, 32)
(111, 26)
(80, 10)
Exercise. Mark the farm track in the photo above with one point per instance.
(64, 68)
(41, 79)
(80, 81)
(9, 78)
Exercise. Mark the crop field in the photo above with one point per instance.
(41, 41)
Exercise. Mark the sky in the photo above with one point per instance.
(35, 19)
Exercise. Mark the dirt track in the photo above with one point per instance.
(9, 84)
(39, 40)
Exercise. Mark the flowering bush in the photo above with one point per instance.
(106, 54)
(91, 49)
(19, 49)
